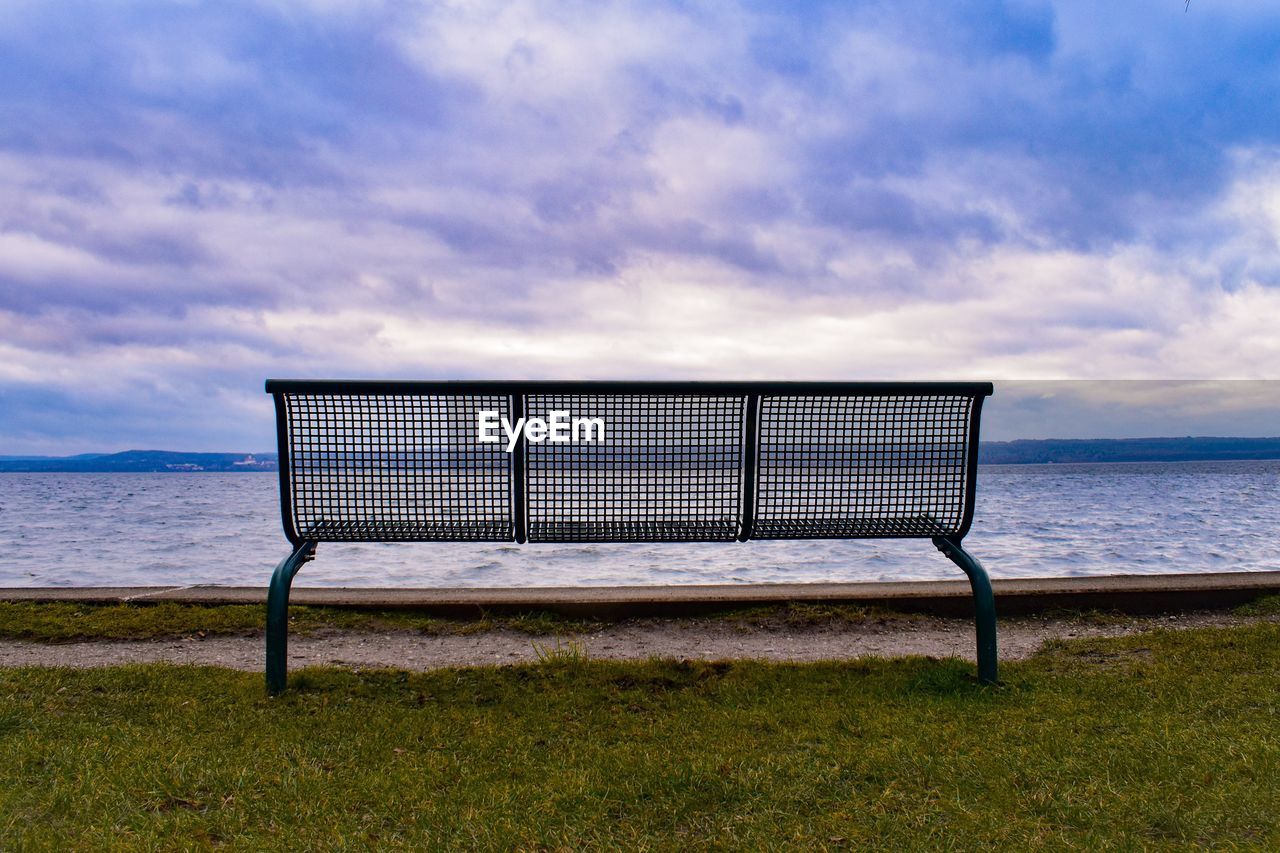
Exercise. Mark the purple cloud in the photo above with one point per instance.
(196, 196)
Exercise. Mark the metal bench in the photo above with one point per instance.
(371, 461)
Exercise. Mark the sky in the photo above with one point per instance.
(195, 196)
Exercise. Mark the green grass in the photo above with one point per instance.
(1165, 739)
(63, 621)
(66, 621)
(797, 615)
(1266, 606)
(1087, 616)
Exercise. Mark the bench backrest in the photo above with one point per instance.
(681, 461)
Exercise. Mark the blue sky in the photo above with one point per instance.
(195, 196)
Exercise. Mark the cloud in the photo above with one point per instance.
(1131, 409)
(194, 196)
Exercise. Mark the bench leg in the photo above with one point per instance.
(278, 616)
(984, 605)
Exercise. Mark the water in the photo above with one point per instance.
(1032, 521)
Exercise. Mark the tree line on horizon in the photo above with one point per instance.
(1017, 452)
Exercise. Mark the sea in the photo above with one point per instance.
(1063, 520)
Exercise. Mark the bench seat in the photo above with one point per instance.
(847, 528)
(725, 530)
(391, 530)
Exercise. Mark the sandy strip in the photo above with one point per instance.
(707, 639)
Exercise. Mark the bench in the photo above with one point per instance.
(373, 461)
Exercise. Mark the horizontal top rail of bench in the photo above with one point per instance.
(611, 386)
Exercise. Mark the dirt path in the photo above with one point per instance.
(702, 638)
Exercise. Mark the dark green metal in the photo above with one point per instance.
(750, 464)
(698, 388)
(519, 480)
(984, 602)
(278, 616)
(751, 392)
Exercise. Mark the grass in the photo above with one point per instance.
(797, 615)
(571, 652)
(64, 621)
(1087, 616)
(67, 621)
(1165, 739)
(1266, 606)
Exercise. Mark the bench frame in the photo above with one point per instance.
(950, 545)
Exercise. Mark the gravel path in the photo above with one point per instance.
(696, 638)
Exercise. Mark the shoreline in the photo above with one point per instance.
(1134, 594)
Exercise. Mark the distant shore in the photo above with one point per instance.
(1189, 449)
(1019, 452)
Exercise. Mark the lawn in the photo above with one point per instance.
(67, 621)
(1162, 739)
(64, 621)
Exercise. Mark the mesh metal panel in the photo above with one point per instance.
(670, 469)
(397, 467)
(861, 466)
(394, 464)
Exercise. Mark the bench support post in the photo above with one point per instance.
(278, 616)
(984, 602)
